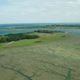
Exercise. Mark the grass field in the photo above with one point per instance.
(51, 57)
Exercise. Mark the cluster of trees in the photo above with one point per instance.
(15, 37)
(44, 31)
(47, 31)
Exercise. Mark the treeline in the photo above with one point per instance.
(47, 31)
(16, 37)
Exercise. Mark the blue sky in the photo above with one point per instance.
(32, 11)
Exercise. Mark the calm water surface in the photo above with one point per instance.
(32, 30)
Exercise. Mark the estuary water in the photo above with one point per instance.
(35, 29)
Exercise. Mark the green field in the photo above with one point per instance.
(53, 56)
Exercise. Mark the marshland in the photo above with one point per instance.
(44, 53)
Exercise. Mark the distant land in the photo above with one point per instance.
(36, 24)
(31, 27)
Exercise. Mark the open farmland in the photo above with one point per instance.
(48, 59)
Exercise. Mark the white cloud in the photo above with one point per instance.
(40, 11)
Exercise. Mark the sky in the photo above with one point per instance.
(39, 11)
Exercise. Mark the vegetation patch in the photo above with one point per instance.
(16, 37)
(28, 38)
(48, 31)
